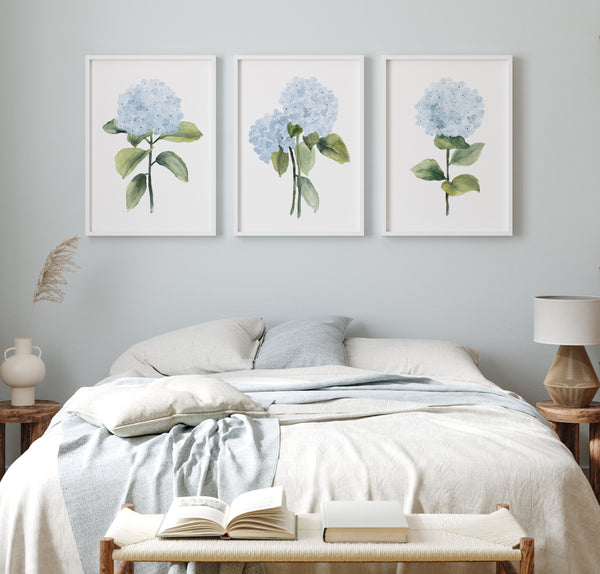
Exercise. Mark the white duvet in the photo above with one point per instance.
(435, 459)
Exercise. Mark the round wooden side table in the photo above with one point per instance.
(566, 421)
(34, 421)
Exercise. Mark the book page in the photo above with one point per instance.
(191, 508)
(281, 527)
(256, 501)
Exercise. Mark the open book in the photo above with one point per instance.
(259, 514)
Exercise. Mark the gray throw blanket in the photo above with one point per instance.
(99, 471)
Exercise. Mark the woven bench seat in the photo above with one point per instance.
(428, 541)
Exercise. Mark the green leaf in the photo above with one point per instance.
(428, 169)
(280, 161)
(461, 184)
(467, 156)
(306, 157)
(135, 140)
(112, 128)
(443, 142)
(174, 164)
(294, 130)
(187, 132)
(311, 139)
(333, 147)
(308, 192)
(135, 190)
(127, 160)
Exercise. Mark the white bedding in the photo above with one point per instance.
(436, 459)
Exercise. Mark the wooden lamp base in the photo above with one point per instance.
(572, 380)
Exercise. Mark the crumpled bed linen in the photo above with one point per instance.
(435, 459)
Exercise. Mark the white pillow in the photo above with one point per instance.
(419, 357)
(213, 347)
(155, 407)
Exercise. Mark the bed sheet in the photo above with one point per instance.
(435, 459)
(444, 460)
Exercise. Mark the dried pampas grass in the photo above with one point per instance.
(51, 281)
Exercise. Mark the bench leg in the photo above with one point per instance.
(526, 564)
(107, 565)
(125, 568)
(527, 556)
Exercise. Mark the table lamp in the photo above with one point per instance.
(570, 322)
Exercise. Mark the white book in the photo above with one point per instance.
(256, 514)
(363, 521)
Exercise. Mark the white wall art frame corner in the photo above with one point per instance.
(162, 182)
(454, 183)
(315, 186)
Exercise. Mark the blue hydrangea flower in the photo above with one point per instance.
(268, 133)
(308, 103)
(149, 105)
(450, 108)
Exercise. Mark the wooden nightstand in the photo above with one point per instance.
(565, 421)
(34, 421)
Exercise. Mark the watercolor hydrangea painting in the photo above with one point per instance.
(293, 134)
(450, 111)
(149, 112)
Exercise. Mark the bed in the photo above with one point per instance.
(354, 418)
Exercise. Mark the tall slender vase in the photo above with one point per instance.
(22, 371)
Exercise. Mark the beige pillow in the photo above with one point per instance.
(419, 357)
(213, 347)
(155, 407)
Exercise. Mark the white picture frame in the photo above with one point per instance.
(475, 96)
(266, 200)
(172, 189)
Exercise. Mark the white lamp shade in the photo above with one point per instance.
(566, 320)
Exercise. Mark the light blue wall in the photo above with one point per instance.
(474, 290)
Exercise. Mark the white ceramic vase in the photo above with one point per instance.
(22, 371)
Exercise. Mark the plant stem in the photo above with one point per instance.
(448, 180)
(294, 181)
(150, 191)
(299, 210)
(29, 322)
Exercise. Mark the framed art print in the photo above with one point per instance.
(447, 145)
(299, 145)
(150, 145)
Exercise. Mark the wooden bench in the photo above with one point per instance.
(428, 541)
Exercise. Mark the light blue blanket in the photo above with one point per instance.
(99, 471)
(382, 386)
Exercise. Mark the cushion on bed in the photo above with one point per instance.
(304, 343)
(216, 346)
(420, 357)
(157, 406)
